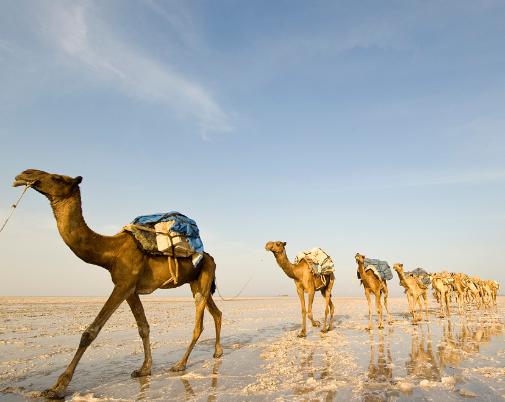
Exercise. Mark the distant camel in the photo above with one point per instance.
(132, 271)
(415, 292)
(440, 283)
(305, 282)
(376, 285)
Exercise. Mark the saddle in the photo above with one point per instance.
(422, 277)
(170, 234)
(320, 264)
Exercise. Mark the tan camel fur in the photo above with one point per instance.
(494, 286)
(473, 290)
(440, 285)
(414, 291)
(305, 282)
(459, 286)
(132, 272)
(373, 284)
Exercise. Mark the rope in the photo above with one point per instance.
(238, 294)
(13, 206)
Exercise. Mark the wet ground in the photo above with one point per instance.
(449, 359)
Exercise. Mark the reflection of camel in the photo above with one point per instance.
(456, 348)
(422, 363)
(373, 284)
(415, 292)
(190, 394)
(305, 281)
(132, 271)
(380, 371)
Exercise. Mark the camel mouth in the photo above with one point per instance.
(18, 183)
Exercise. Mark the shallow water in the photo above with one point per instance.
(457, 358)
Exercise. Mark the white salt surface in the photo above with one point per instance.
(450, 359)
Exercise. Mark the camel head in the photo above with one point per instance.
(360, 259)
(276, 247)
(53, 186)
(398, 267)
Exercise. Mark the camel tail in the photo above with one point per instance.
(213, 286)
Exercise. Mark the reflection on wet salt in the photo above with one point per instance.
(448, 359)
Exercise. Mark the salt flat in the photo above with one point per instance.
(443, 359)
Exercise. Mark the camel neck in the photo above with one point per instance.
(361, 267)
(89, 246)
(401, 275)
(285, 264)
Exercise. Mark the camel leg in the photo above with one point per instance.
(441, 301)
(303, 332)
(411, 307)
(143, 326)
(367, 294)
(327, 296)
(201, 293)
(310, 302)
(425, 298)
(460, 303)
(332, 311)
(419, 304)
(118, 295)
(217, 315)
(447, 304)
(386, 295)
(378, 307)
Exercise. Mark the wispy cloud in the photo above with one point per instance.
(77, 31)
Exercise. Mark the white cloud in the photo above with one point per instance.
(76, 31)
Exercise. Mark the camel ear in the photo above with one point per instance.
(78, 180)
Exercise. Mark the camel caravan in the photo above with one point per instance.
(164, 251)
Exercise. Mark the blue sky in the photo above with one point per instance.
(353, 126)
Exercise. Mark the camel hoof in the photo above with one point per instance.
(301, 334)
(368, 328)
(140, 373)
(178, 368)
(316, 324)
(53, 394)
(381, 326)
(218, 353)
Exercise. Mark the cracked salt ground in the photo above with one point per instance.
(452, 359)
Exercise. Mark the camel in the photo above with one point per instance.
(459, 286)
(415, 292)
(473, 290)
(440, 285)
(132, 272)
(373, 284)
(494, 286)
(305, 282)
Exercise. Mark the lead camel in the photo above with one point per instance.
(132, 272)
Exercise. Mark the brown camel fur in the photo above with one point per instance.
(132, 272)
(440, 285)
(415, 293)
(305, 282)
(373, 284)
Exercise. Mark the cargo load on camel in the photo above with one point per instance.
(380, 268)
(319, 262)
(423, 278)
(171, 234)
